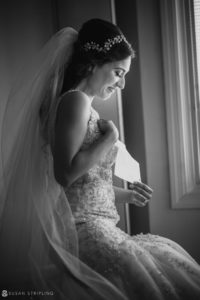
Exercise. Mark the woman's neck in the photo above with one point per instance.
(83, 87)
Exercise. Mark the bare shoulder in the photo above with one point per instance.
(73, 105)
(75, 99)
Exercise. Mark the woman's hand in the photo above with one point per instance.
(140, 193)
(109, 129)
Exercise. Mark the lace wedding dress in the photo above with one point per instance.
(143, 266)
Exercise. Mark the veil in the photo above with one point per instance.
(38, 239)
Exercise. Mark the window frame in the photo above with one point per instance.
(182, 107)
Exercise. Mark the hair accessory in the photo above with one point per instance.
(107, 45)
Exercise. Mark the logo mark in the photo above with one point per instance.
(4, 293)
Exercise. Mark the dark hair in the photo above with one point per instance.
(83, 59)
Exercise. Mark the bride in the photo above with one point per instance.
(58, 215)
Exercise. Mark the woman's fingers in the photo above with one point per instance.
(141, 185)
(141, 188)
(141, 198)
(141, 193)
(139, 201)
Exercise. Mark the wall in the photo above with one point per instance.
(24, 27)
(145, 126)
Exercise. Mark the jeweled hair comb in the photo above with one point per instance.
(107, 45)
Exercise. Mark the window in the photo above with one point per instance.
(195, 55)
(181, 39)
(195, 27)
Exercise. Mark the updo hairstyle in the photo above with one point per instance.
(98, 42)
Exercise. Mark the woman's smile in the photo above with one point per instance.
(107, 78)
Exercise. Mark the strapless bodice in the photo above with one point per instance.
(92, 195)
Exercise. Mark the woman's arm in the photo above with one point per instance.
(71, 126)
(138, 194)
(122, 195)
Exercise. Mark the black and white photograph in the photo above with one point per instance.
(100, 149)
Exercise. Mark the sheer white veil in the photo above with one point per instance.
(38, 241)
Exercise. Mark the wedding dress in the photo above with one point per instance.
(143, 266)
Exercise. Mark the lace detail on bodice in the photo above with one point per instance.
(92, 195)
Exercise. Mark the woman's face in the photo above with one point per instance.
(107, 78)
